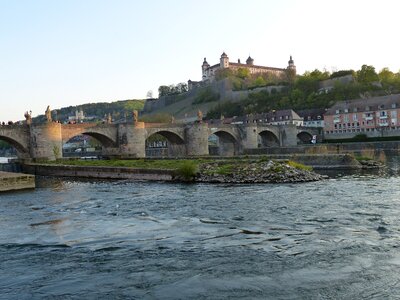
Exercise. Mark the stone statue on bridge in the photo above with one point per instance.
(135, 116)
(199, 116)
(48, 114)
(109, 119)
(28, 117)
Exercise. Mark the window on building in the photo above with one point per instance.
(346, 110)
(338, 111)
(393, 105)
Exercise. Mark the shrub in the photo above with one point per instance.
(187, 170)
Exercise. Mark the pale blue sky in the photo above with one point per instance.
(62, 53)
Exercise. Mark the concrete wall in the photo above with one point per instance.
(99, 172)
(14, 181)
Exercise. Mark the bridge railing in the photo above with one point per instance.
(163, 125)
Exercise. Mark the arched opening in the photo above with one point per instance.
(267, 139)
(86, 145)
(165, 144)
(304, 138)
(10, 148)
(222, 143)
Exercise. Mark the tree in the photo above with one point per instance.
(386, 76)
(243, 73)
(260, 81)
(367, 75)
(163, 90)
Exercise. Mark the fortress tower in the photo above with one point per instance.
(224, 61)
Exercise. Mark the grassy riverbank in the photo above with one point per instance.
(208, 170)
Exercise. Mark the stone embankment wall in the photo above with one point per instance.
(368, 149)
(15, 181)
(99, 172)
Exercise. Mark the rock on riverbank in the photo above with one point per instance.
(256, 172)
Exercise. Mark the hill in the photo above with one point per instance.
(97, 111)
(236, 94)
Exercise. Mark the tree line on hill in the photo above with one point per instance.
(99, 111)
(305, 92)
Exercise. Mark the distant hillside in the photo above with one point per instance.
(235, 96)
(99, 110)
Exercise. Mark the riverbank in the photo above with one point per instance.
(239, 170)
(16, 181)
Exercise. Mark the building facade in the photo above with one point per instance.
(374, 117)
(279, 117)
(209, 72)
(312, 117)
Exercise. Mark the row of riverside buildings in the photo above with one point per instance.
(372, 117)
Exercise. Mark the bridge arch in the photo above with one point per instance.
(174, 145)
(268, 139)
(21, 149)
(225, 144)
(102, 138)
(304, 137)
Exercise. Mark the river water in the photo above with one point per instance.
(71, 239)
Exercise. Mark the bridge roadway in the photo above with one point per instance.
(45, 141)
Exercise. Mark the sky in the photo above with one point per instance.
(70, 52)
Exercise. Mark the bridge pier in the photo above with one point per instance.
(132, 140)
(250, 140)
(46, 141)
(196, 137)
(288, 135)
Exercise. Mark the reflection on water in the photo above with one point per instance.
(334, 239)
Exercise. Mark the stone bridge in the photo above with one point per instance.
(45, 141)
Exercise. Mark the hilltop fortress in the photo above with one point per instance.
(187, 104)
(209, 72)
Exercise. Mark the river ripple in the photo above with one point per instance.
(336, 238)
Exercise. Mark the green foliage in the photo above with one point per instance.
(56, 151)
(156, 118)
(299, 166)
(342, 73)
(260, 81)
(362, 158)
(223, 73)
(367, 75)
(243, 73)
(187, 170)
(225, 169)
(305, 93)
(172, 89)
(206, 95)
(117, 109)
(226, 109)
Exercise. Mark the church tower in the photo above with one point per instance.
(250, 61)
(291, 70)
(224, 61)
(204, 68)
(291, 65)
